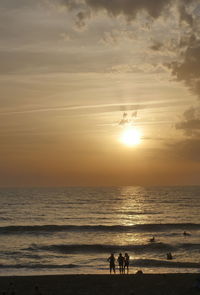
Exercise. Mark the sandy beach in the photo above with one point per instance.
(161, 284)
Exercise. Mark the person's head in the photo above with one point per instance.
(120, 254)
(126, 254)
(112, 254)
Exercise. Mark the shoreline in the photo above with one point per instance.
(96, 284)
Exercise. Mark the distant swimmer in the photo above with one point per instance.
(111, 259)
(169, 256)
(152, 240)
(186, 234)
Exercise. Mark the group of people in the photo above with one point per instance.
(123, 262)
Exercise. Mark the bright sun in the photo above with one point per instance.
(130, 136)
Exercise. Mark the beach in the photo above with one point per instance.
(143, 284)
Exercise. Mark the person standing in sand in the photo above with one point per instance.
(111, 259)
(126, 262)
(121, 263)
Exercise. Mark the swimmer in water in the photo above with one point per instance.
(152, 240)
(186, 234)
(169, 256)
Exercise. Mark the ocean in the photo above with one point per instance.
(73, 230)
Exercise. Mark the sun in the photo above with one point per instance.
(131, 136)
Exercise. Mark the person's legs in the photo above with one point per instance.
(114, 269)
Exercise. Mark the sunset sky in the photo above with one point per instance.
(75, 74)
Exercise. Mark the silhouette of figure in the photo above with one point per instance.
(169, 256)
(111, 259)
(126, 262)
(186, 234)
(152, 240)
(120, 260)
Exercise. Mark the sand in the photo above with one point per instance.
(145, 284)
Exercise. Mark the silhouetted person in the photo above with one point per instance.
(186, 234)
(169, 256)
(152, 240)
(126, 262)
(120, 260)
(111, 259)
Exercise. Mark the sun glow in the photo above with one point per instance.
(131, 136)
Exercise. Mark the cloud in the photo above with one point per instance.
(116, 36)
(187, 66)
(127, 119)
(81, 18)
(188, 70)
(71, 4)
(185, 16)
(129, 8)
(191, 122)
(156, 46)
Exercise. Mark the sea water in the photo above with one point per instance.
(73, 230)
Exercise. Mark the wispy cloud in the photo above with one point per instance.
(128, 119)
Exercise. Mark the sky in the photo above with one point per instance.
(75, 74)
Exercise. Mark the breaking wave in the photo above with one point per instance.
(24, 229)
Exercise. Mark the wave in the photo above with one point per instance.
(134, 263)
(99, 248)
(105, 248)
(31, 229)
(190, 246)
(162, 263)
(38, 265)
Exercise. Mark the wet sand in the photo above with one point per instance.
(144, 284)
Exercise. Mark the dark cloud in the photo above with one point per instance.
(188, 70)
(191, 122)
(185, 16)
(188, 40)
(81, 18)
(129, 8)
